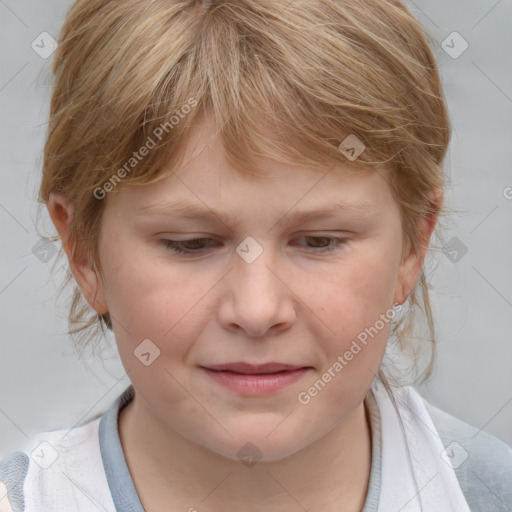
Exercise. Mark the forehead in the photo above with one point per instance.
(204, 157)
(271, 200)
(206, 180)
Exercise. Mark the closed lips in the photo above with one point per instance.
(251, 369)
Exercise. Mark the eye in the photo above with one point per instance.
(192, 246)
(324, 247)
(198, 245)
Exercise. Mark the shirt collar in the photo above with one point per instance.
(123, 490)
(119, 480)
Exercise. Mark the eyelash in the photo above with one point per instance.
(174, 245)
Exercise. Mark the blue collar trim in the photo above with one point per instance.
(119, 480)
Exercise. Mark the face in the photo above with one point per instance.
(251, 281)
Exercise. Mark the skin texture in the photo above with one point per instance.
(293, 304)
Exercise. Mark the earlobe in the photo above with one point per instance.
(61, 211)
(408, 274)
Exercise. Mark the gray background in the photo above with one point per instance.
(44, 386)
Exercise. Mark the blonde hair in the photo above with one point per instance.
(283, 80)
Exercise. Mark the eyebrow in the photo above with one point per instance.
(198, 212)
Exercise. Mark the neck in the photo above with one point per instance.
(329, 474)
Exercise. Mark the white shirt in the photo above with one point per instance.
(435, 463)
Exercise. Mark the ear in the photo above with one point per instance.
(61, 212)
(412, 260)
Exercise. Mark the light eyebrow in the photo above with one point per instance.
(199, 212)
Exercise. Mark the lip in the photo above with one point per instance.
(252, 369)
(256, 384)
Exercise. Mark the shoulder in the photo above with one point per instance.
(47, 461)
(13, 471)
(482, 462)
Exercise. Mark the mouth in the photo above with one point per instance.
(255, 380)
(254, 369)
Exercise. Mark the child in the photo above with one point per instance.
(246, 191)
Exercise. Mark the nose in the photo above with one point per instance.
(257, 298)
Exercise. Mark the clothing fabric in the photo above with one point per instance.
(415, 474)
(423, 459)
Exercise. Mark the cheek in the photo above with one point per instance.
(354, 304)
(357, 291)
(161, 303)
(152, 299)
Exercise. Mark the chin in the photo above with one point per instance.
(250, 446)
